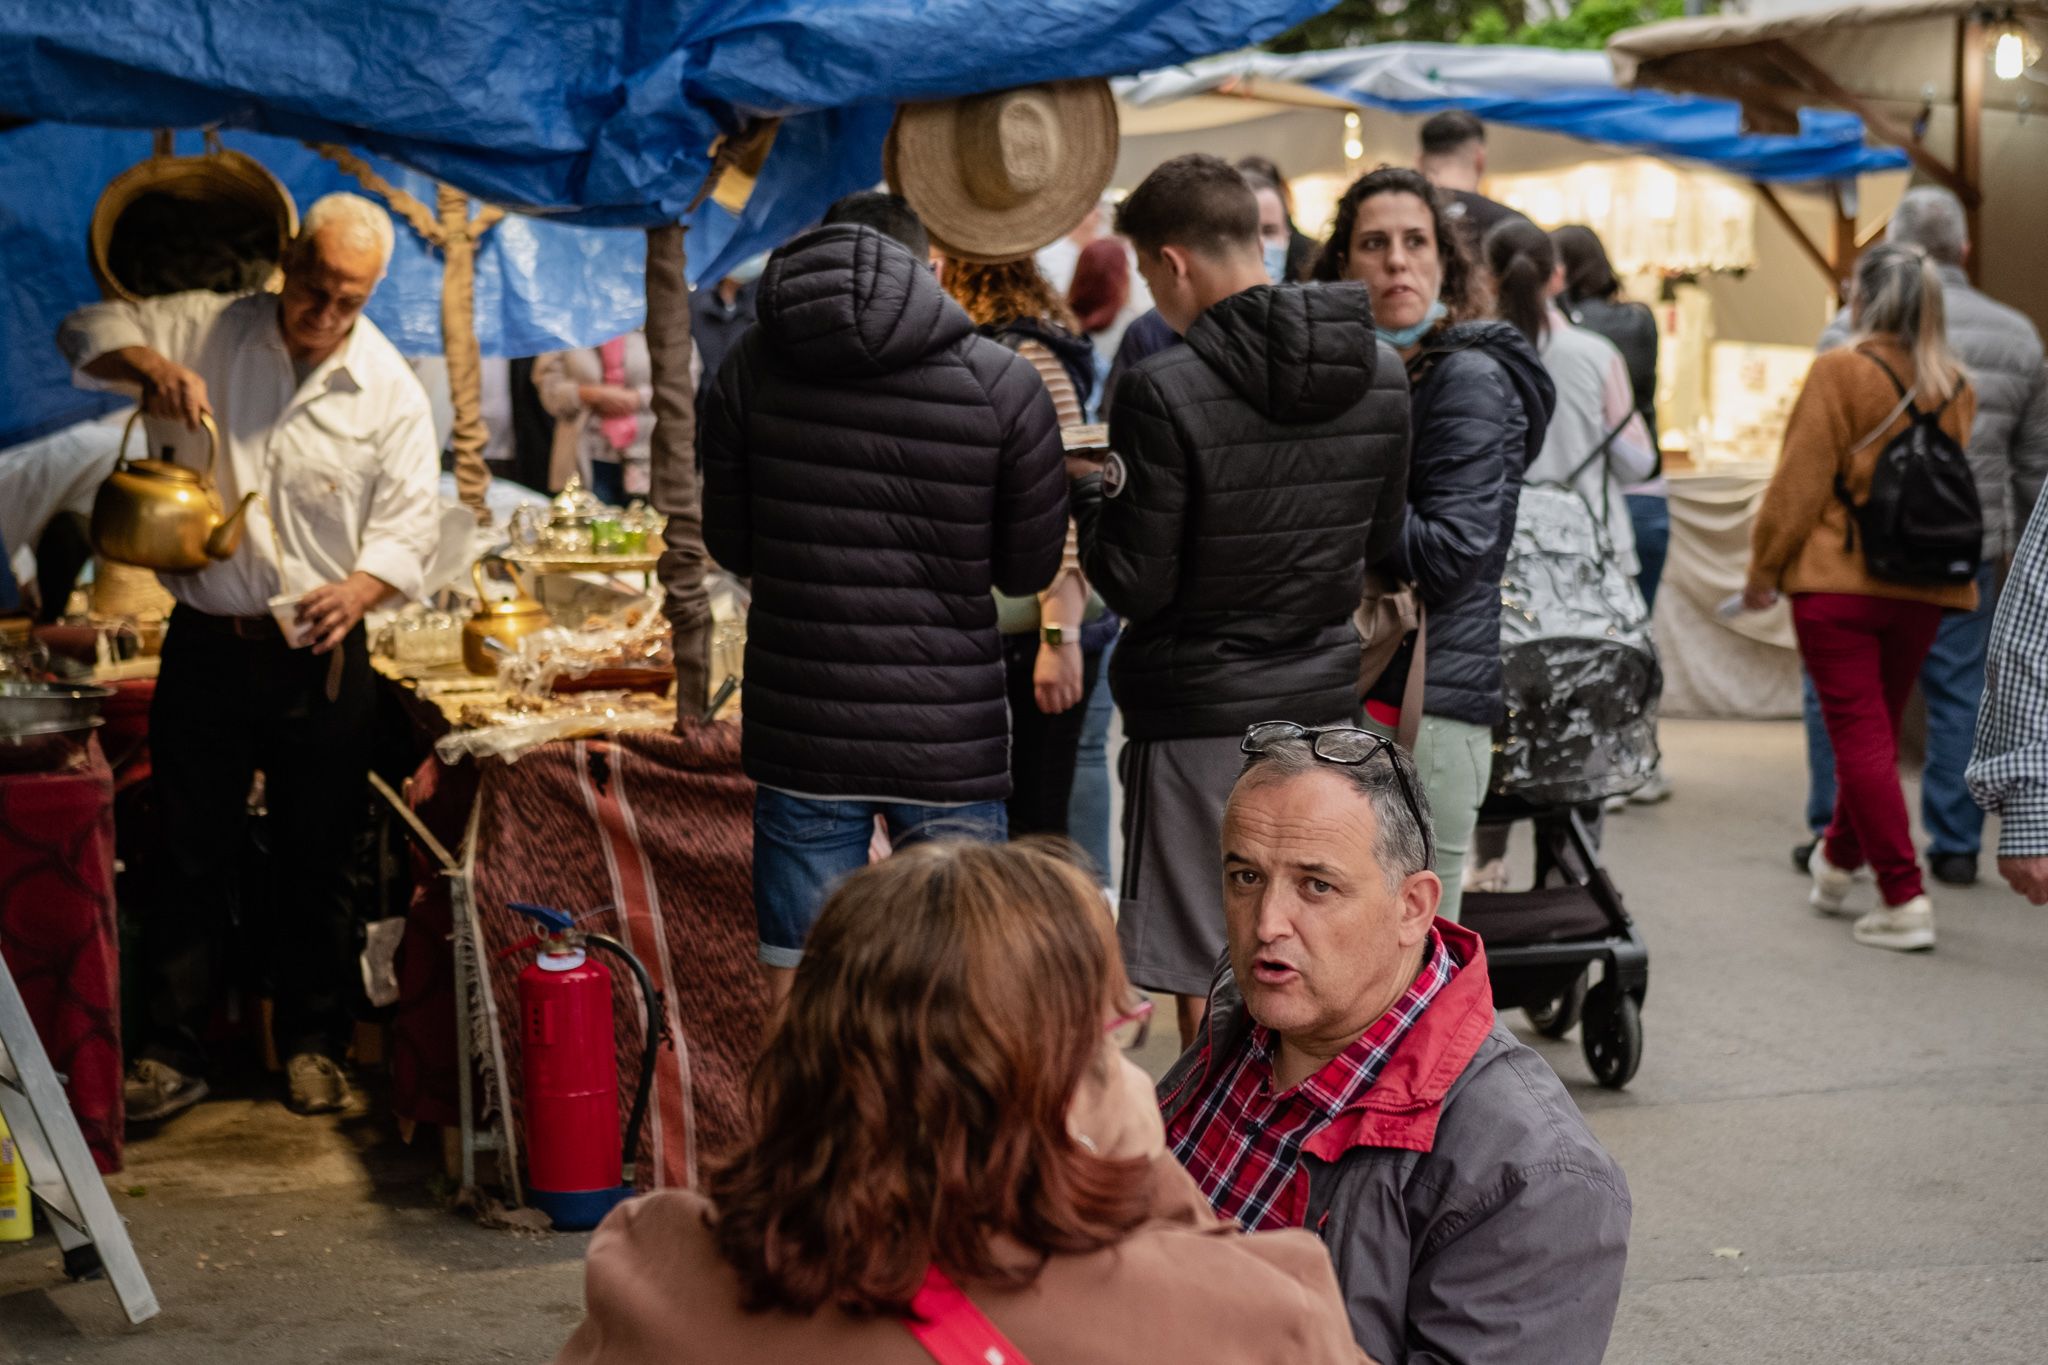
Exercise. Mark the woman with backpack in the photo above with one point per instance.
(1479, 405)
(1866, 525)
(1052, 656)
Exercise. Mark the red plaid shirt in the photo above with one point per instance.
(1242, 1143)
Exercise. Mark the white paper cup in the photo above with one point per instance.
(284, 609)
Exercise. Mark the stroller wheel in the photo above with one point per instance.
(1558, 1018)
(1613, 1036)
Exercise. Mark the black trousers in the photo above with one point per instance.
(1042, 748)
(226, 706)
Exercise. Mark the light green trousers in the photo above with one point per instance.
(1455, 761)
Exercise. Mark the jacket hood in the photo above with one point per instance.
(848, 300)
(1076, 354)
(1524, 367)
(1297, 353)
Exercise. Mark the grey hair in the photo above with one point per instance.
(1898, 295)
(1399, 844)
(355, 218)
(1932, 219)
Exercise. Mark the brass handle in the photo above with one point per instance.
(476, 576)
(212, 442)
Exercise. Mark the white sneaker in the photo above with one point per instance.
(1658, 788)
(1830, 883)
(1614, 805)
(1902, 928)
(1488, 878)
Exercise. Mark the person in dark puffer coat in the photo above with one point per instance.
(1255, 471)
(876, 468)
(1482, 404)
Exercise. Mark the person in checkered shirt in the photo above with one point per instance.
(1351, 1078)
(2008, 771)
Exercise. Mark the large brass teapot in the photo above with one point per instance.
(504, 619)
(158, 514)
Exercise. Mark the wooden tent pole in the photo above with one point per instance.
(1806, 245)
(672, 469)
(1970, 130)
(459, 233)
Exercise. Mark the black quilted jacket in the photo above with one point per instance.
(1482, 403)
(876, 468)
(1258, 468)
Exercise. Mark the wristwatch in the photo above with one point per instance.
(1053, 635)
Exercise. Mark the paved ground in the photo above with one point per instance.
(1835, 1152)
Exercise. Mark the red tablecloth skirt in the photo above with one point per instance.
(57, 931)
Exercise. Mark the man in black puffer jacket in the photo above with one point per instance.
(876, 468)
(1256, 470)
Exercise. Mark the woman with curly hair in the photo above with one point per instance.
(1479, 407)
(947, 1137)
(1053, 663)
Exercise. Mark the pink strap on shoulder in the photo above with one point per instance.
(952, 1330)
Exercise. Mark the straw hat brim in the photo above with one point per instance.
(922, 157)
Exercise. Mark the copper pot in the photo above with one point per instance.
(505, 619)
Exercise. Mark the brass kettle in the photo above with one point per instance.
(158, 514)
(504, 619)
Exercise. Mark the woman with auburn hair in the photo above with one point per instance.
(949, 1143)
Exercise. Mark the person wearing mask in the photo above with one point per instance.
(1051, 672)
(318, 413)
(1454, 160)
(2001, 353)
(1302, 249)
(1863, 639)
(602, 400)
(1481, 403)
(1246, 491)
(1274, 233)
(877, 468)
(719, 316)
(951, 1145)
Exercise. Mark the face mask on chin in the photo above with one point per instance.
(1401, 338)
(1275, 256)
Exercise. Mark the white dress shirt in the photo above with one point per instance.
(345, 460)
(61, 472)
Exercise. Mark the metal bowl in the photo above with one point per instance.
(33, 708)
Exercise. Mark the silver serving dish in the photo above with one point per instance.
(32, 708)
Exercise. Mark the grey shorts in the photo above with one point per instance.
(1170, 899)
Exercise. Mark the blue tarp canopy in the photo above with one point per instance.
(596, 115)
(1572, 93)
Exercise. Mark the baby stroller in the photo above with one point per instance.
(1582, 682)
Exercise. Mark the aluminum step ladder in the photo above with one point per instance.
(61, 1175)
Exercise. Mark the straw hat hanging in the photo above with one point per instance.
(997, 176)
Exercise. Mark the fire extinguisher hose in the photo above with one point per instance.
(652, 1033)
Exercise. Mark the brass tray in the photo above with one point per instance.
(545, 561)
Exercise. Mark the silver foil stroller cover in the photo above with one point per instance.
(1582, 677)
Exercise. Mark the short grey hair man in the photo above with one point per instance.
(1932, 219)
(1387, 779)
(350, 218)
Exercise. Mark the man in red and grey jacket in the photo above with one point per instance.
(1351, 1078)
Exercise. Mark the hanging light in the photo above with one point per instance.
(1353, 149)
(2013, 52)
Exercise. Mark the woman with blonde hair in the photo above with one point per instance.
(1863, 637)
(950, 1147)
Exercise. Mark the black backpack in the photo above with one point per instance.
(1922, 523)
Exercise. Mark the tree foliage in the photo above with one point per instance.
(1578, 24)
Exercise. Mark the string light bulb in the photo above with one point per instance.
(2008, 59)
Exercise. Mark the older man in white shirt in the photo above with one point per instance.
(320, 415)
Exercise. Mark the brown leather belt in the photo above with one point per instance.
(241, 627)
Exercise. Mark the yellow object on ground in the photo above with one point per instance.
(15, 1223)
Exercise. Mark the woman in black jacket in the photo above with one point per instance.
(1481, 401)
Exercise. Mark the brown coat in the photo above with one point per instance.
(1798, 542)
(1184, 1287)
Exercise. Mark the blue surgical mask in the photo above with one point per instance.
(749, 270)
(1275, 254)
(1402, 338)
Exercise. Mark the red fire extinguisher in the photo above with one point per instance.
(578, 1166)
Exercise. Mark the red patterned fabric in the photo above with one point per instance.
(57, 931)
(659, 826)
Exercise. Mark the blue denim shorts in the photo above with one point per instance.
(804, 846)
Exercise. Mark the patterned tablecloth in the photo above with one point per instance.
(57, 929)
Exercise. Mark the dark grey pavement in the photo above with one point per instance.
(1836, 1153)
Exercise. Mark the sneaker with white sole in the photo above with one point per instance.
(1904, 928)
(1658, 788)
(1831, 884)
(1487, 878)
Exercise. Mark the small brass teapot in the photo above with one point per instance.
(157, 514)
(504, 619)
